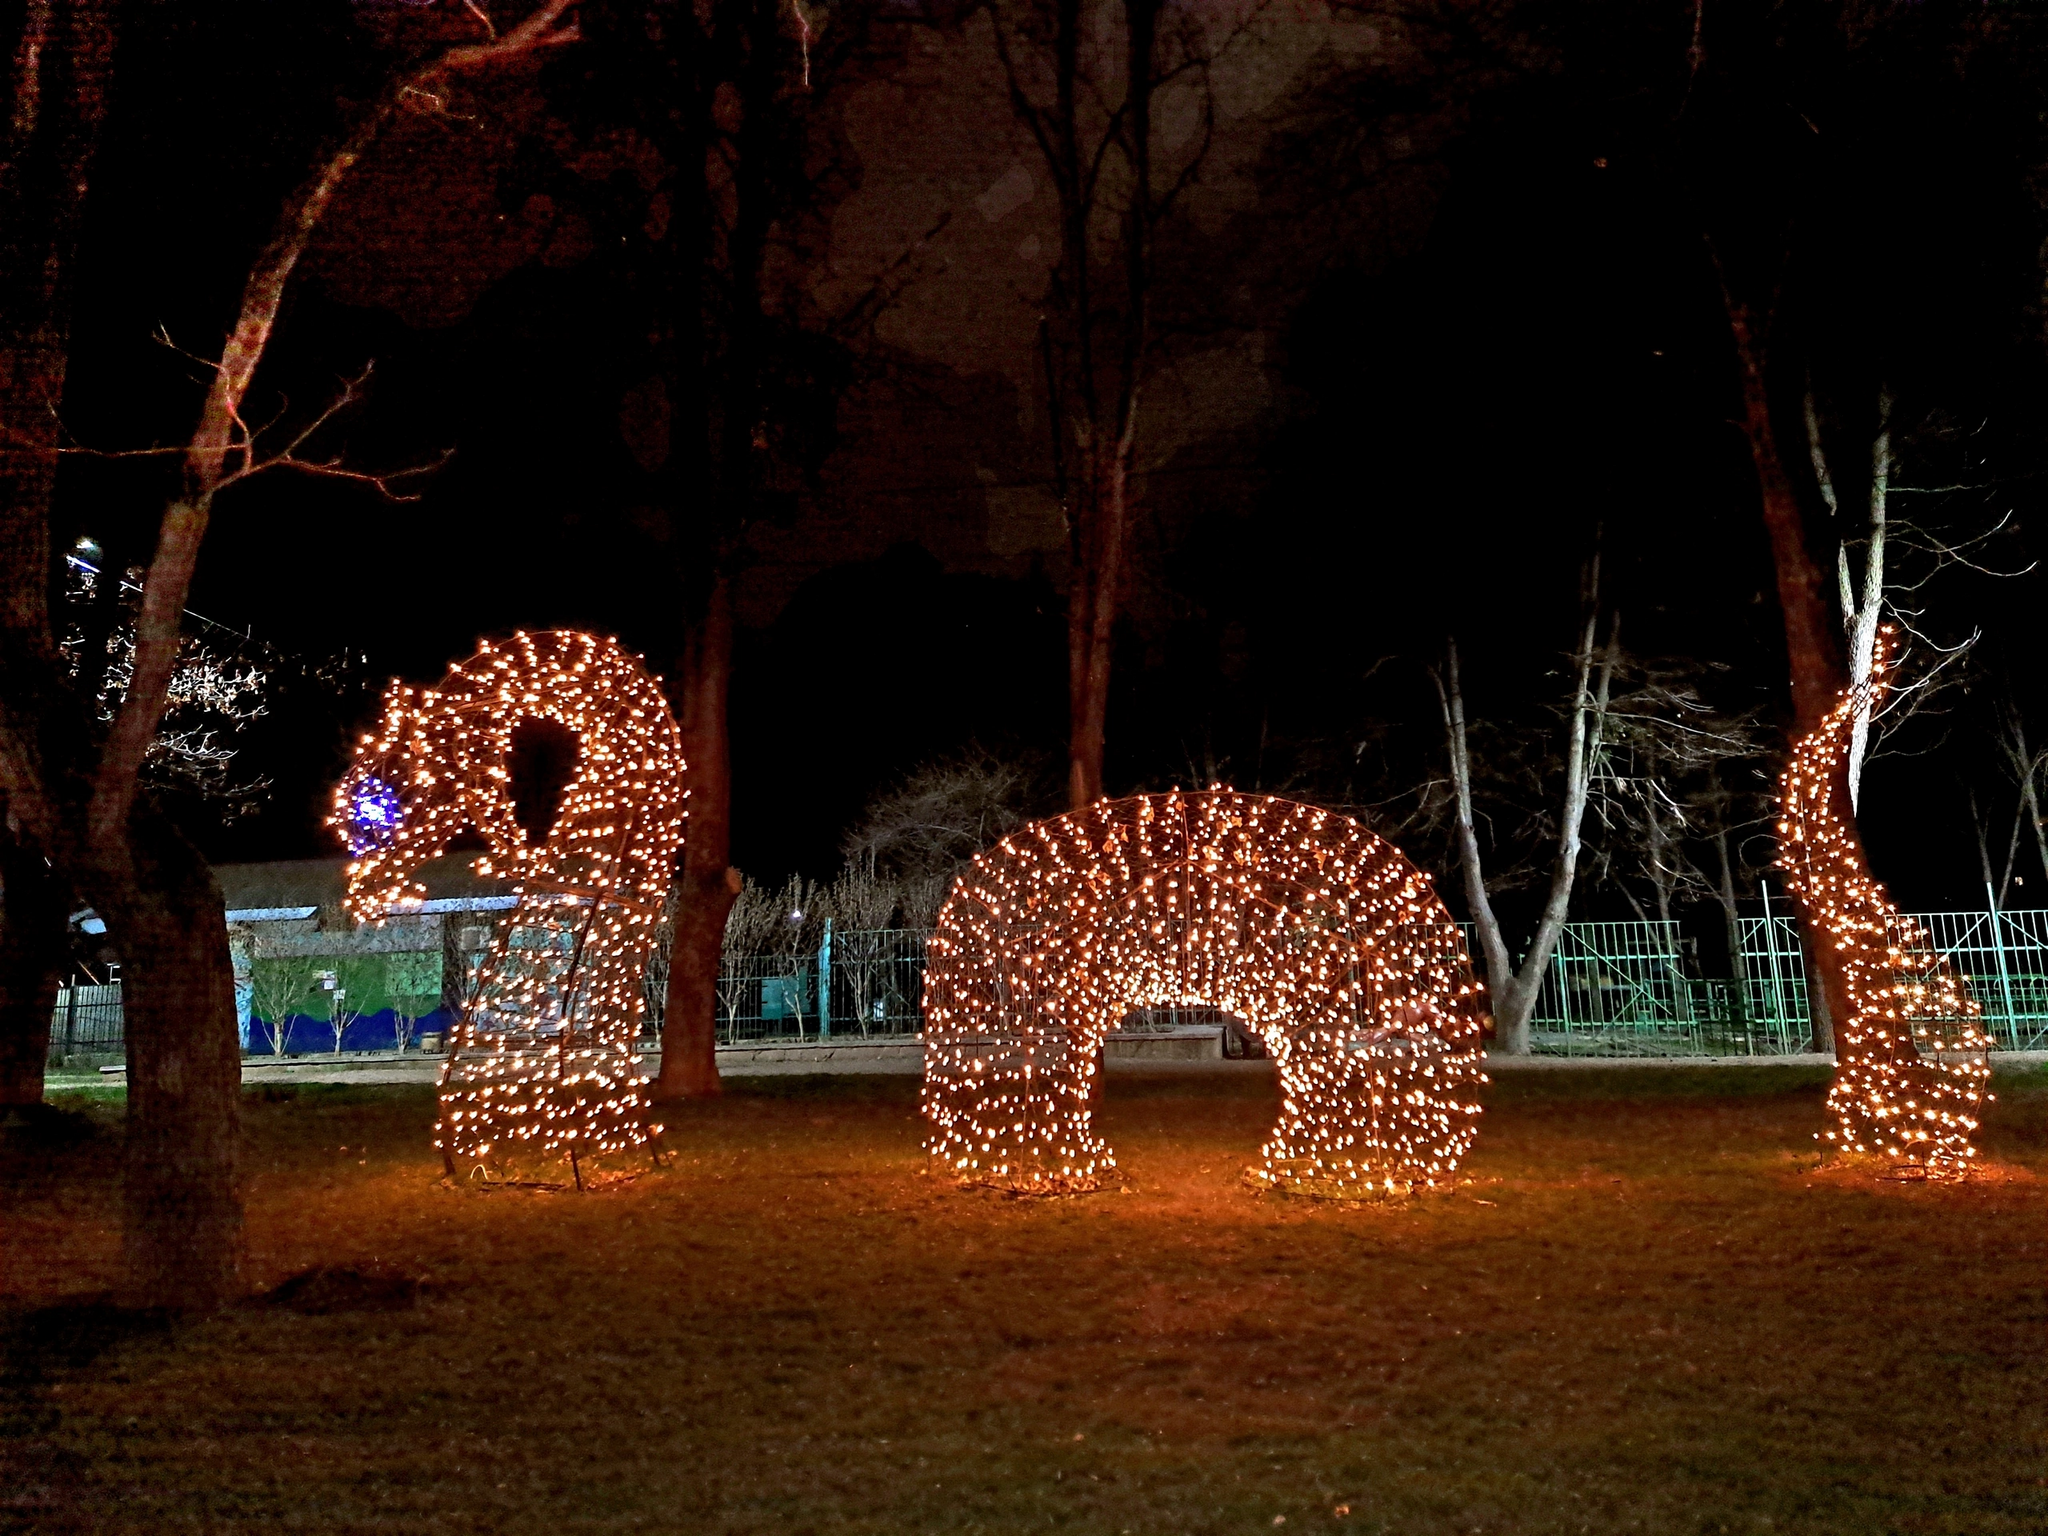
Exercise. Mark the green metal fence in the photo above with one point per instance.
(1772, 987)
(1633, 989)
(2004, 958)
(1611, 989)
(88, 1025)
(859, 984)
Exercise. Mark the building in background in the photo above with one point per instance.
(310, 978)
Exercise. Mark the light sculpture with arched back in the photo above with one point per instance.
(1321, 936)
(1910, 1067)
(542, 1056)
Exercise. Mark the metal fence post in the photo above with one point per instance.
(2012, 1027)
(70, 1020)
(1778, 1020)
(825, 983)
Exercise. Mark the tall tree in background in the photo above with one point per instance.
(1088, 79)
(74, 792)
(698, 157)
(59, 57)
(1759, 136)
(1515, 989)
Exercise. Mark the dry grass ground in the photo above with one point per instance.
(1645, 1311)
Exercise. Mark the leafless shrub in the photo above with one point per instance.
(922, 898)
(279, 986)
(750, 924)
(942, 815)
(862, 898)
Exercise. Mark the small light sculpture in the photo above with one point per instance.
(1910, 1070)
(542, 1057)
(1321, 936)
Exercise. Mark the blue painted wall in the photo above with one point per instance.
(307, 1036)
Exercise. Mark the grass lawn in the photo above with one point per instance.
(1645, 1310)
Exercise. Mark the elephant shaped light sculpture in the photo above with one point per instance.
(1321, 936)
(542, 1060)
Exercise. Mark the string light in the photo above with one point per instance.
(542, 1057)
(1322, 937)
(1911, 1070)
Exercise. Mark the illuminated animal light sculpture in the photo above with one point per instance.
(541, 1061)
(1910, 1071)
(1322, 937)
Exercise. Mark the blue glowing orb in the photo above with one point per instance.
(374, 811)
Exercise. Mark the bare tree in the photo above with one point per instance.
(1087, 80)
(216, 691)
(923, 895)
(943, 814)
(864, 902)
(752, 921)
(281, 985)
(1515, 990)
(801, 909)
(34, 948)
(1880, 571)
(1734, 815)
(357, 991)
(74, 792)
(718, 106)
(1659, 792)
(2025, 764)
(1862, 596)
(1817, 667)
(60, 55)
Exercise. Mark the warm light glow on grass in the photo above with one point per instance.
(1318, 934)
(542, 1058)
(1891, 1096)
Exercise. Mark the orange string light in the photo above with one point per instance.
(1911, 1070)
(1321, 936)
(542, 1057)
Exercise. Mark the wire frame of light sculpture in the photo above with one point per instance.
(1321, 936)
(1911, 1072)
(541, 1061)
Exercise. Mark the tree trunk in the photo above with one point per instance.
(2026, 767)
(1813, 650)
(1515, 990)
(57, 67)
(1820, 1004)
(1864, 614)
(1811, 645)
(32, 953)
(1091, 627)
(182, 1207)
(689, 1027)
(1731, 919)
(163, 910)
(1983, 835)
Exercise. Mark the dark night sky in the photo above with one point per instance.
(1452, 417)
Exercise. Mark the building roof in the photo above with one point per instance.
(303, 887)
